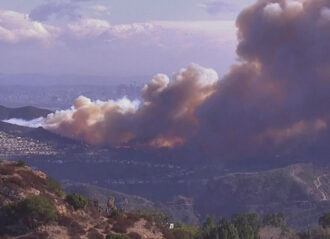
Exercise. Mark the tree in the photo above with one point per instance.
(182, 231)
(247, 225)
(226, 230)
(209, 229)
(275, 220)
(324, 220)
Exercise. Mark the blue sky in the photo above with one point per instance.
(116, 37)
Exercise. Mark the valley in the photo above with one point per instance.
(188, 191)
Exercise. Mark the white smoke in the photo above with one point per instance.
(35, 123)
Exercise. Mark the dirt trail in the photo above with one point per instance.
(318, 184)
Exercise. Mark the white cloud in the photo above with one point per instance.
(231, 7)
(218, 6)
(92, 45)
(17, 27)
(100, 9)
(157, 31)
(125, 31)
(89, 27)
(211, 28)
(325, 13)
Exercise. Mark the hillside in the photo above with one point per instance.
(33, 206)
(180, 209)
(26, 113)
(300, 191)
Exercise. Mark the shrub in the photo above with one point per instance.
(275, 220)
(160, 218)
(116, 213)
(33, 211)
(73, 227)
(123, 222)
(54, 187)
(116, 236)
(227, 230)
(183, 231)
(324, 220)
(20, 163)
(39, 208)
(247, 225)
(77, 201)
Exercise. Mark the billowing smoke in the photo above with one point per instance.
(279, 92)
(164, 118)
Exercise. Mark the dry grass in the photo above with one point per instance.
(134, 235)
(94, 234)
(74, 228)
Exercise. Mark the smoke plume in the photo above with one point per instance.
(35, 123)
(279, 91)
(164, 118)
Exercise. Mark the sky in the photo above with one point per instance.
(121, 38)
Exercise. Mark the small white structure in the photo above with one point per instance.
(171, 226)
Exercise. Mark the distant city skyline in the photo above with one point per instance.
(116, 38)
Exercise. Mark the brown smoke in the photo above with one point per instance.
(164, 118)
(278, 93)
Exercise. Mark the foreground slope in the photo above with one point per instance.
(33, 206)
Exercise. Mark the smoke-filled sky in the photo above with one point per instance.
(275, 96)
(116, 38)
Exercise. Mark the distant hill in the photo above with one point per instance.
(301, 192)
(34, 133)
(26, 113)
